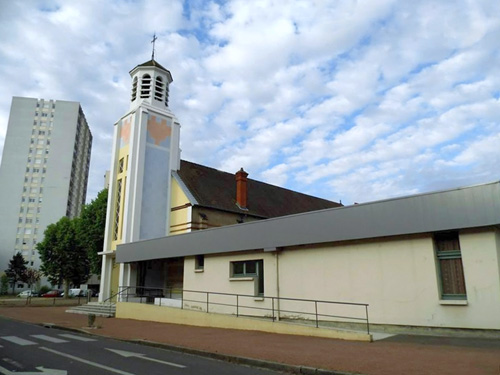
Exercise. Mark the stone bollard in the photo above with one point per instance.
(91, 320)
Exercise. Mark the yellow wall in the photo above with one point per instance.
(129, 310)
(180, 217)
(123, 154)
(115, 272)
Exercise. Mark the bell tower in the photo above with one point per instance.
(145, 152)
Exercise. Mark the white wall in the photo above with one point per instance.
(397, 277)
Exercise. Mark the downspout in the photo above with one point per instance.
(276, 255)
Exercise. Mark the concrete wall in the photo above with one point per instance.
(397, 277)
(128, 310)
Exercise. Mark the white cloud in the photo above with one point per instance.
(357, 100)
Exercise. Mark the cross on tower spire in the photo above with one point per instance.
(153, 41)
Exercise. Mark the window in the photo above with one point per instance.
(134, 89)
(250, 268)
(451, 269)
(199, 262)
(145, 86)
(117, 209)
(166, 95)
(159, 89)
(120, 166)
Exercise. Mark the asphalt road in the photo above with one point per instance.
(27, 349)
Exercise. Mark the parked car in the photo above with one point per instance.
(28, 293)
(76, 292)
(52, 294)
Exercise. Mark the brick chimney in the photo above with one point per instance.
(241, 188)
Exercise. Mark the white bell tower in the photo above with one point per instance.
(145, 152)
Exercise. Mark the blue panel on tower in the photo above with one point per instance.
(156, 189)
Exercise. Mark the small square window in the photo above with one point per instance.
(199, 262)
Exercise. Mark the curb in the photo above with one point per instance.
(260, 363)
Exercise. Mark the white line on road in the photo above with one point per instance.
(43, 370)
(86, 361)
(55, 340)
(126, 354)
(18, 340)
(75, 337)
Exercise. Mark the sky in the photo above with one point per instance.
(352, 101)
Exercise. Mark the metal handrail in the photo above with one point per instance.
(151, 292)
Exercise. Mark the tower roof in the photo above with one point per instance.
(152, 63)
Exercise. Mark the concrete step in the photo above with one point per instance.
(97, 309)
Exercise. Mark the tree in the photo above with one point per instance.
(90, 229)
(32, 276)
(16, 270)
(4, 284)
(64, 260)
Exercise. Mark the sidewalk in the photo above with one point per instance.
(401, 354)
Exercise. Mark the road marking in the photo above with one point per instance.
(55, 340)
(45, 371)
(86, 361)
(18, 340)
(75, 337)
(123, 353)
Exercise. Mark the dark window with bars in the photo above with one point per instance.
(451, 269)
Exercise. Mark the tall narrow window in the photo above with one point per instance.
(159, 89)
(451, 269)
(117, 210)
(134, 89)
(120, 166)
(145, 86)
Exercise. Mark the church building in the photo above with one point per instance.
(188, 239)
(153, 193)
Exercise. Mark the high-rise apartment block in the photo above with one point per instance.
(43, 174)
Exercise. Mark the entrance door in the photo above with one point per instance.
(175, 276)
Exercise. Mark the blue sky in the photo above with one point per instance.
(348, 100)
